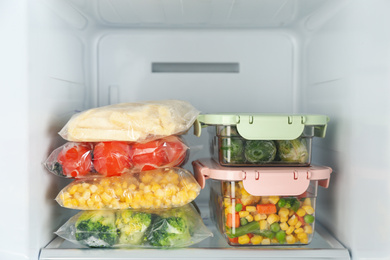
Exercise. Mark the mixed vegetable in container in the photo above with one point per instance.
(266, 220)
(230, 148)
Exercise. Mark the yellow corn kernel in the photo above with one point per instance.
(308, 229)
(67, 203)
(251, 209)
(293, 220)
(302, 235)
(289, 230)
(283, 212)
(118, 191)
(80, 189)
(256, 239)
(87, 194)
(73, 190)
(229, 209)
(242, 240)
(105, 182)
(100, 190)
(249, 218)
(291, 212)
(74, 203)
(243, 214)
(259, 217)
(265, 200)
(283, 219)
(266, 241)
(106, 198)
(192, 194)
(64, 196)
(132, 187)
(85, 185)
(93, 188)
(307, 202)
(283, 226)
(304, 241)
(272, 218)
(90, 203)
(274, 241)
(96, 198)
(273, 199)
(298, 230)
(290, 239)
(308, 209)
(301, 212)
(263, 224)
(227, 202)
(298, 225)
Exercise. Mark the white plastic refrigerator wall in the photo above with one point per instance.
(327, 57)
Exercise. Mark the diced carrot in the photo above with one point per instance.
(233, 240)
(233, 221)
(266, 208)
(250, 235)
(300, 219)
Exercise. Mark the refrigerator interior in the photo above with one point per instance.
(327, 57)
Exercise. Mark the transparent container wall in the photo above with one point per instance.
(229, 148)
(246, 220)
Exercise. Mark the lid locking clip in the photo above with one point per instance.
(295, 175)
(257, 176)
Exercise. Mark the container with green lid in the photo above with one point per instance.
(261, 139)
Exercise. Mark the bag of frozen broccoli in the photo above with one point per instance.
(178, 227)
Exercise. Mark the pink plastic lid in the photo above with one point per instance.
(264, 181)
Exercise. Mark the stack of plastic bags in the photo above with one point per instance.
(125, 160)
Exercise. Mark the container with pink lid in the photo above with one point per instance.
(258, 206)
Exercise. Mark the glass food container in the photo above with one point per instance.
(263, 206)
(261, 139)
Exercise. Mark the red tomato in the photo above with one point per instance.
(165, 152)
(233, 240)
(112, 158)
(75, 159)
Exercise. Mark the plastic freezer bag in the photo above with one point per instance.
(156, 189)
(133, 122)
(179, 227)
(80, 160)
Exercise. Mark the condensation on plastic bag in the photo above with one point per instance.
(133, 122)
(81, 160)
(156, 189)
(178, 227)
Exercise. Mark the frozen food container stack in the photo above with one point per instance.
(129, 186)
(264, 187)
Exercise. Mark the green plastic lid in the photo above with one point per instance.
(265, 126)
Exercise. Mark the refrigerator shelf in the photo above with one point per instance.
(323, 246)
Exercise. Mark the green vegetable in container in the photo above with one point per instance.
(96, 228)
(260, 151)
(232, 150)
(240, 231)
(293, 151)
(132, 226)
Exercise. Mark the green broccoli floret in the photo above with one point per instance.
(232, 150)
(293, 151)
(96, 228)
(169, 232)
(260, 151)
(132, 226)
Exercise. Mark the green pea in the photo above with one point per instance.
(238, 207)
(243, 221)
(281, 236)
(281, 203)
(275, 227)
(308, 219)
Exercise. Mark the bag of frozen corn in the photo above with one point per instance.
(80, 160)
(176, 227)
(132, 122)
(156, 189)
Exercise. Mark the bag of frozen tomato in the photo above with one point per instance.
(177, 227)
(156, 189)
(131, 122)
(80, 160)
